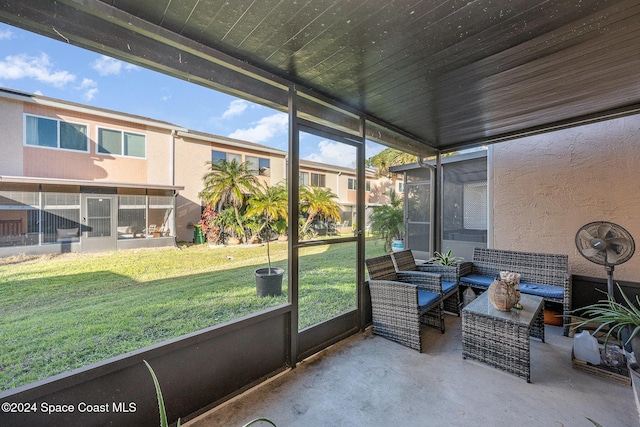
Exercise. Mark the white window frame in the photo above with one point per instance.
(231, 156)
(58, 121)
(302, 180)
(352, 184)
(251, 164)
(318, 175)
(122, 133)
(218, 151)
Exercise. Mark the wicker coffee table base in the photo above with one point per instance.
(500, 342)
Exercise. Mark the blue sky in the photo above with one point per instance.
(48, 67)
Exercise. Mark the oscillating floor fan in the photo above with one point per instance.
(607, 244)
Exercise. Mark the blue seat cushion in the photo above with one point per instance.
(478, 280)
(448, 286)
(545, 291)
(426, 298)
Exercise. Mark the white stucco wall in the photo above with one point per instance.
(547, 186)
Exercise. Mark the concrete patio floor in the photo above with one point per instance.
(367, 380)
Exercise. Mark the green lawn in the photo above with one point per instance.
(63, 312)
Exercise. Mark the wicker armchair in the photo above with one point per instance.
(404, 261)
(400, 301)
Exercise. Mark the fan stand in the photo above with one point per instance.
(609, 268)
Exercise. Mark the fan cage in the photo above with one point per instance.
(622, 245)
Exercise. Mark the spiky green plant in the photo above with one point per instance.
(612, 315)
(440, 258)
(163, 412)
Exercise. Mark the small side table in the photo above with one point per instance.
(501, 338)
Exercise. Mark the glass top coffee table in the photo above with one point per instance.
(501, 338)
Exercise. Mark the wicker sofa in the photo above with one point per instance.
(545, 275)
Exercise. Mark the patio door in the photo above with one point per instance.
(327, 244)
(419, 211)
(98, 222)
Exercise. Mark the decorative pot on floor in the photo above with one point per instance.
(397, 245)
(634, 344)
(269, 281)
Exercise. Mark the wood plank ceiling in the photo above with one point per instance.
(452, 73)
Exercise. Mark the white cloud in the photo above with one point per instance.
(106, 66)
(90, 94)
(39, 68)
(90, 88)
(235, 108)
(334, 153)
(6, 34)
(373, 148)
(265, 129)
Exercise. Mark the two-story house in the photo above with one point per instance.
(80, 178)
(75, 178)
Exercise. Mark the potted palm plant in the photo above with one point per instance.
(619, 320)
(270, 205)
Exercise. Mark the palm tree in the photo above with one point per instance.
(226, 184)
(390, 157)
(387, 221)
(318, 203)
(386, 159)
(271, 205)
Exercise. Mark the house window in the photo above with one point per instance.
(352, 184)
(304, 178)
(218, 156)
(45, 132)
(121, 143)
(265, 167)
(134, 145)
(400, 187)
(231, 157)
(318, 180)
(258, 165)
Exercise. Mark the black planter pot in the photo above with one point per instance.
(269, 282)
(634, 345)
